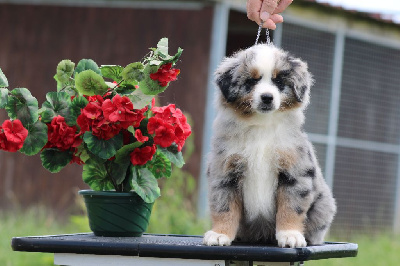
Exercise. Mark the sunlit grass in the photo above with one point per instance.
(378, 250)
(33, 221)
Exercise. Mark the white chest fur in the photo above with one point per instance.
(261, 178)
(257, 143)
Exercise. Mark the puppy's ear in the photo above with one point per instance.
(301, 78)
(225, 82)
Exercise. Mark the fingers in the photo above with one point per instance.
(253, 10)
(261, 10)
(271, 22)
(282, 5)
(269, 6)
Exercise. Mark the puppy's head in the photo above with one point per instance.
(263, 79)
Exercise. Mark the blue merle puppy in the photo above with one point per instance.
(265, 184)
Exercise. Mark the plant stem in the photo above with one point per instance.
(117, 188)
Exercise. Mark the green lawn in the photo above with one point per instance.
(34, 221)
(380, 250)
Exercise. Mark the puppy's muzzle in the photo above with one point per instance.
(267, 102)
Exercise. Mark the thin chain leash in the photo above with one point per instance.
(259, 33)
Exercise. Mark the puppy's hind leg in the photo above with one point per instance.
(226, 202)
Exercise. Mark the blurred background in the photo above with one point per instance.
(353, 119)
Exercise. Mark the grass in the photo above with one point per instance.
(33, 221)
(379, 250)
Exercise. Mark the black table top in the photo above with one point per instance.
(178, 246)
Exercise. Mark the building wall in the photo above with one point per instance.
(36, 37)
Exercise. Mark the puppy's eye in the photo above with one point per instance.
(254, 80)
(279, 82)
(250, 83)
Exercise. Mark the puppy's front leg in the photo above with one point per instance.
(225, 201)
(291, 211)
(225, 226)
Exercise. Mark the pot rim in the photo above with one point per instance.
(106, 193)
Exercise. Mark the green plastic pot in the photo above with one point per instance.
(116, 214)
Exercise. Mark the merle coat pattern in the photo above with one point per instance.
(265, 184)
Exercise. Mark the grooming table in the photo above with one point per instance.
(148, 250)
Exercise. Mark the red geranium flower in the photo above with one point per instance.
(165, 74)
(140, 156)
(173, 117)
(12, 135)
(154, 123)
(165, 135)
(120, 109)
(92, 110)
(62, 136)
(182, 132)
(104, 129)
(139, 136)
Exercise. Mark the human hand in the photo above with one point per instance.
(267, 11)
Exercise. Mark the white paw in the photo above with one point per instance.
(290, 238)
(212, 238)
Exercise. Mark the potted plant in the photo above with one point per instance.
(105, 119)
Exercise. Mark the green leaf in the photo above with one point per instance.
(123, 154)
(118, 171)
(160, 165)
(175, 157)
(68, 86)
(133, 73)
(162, 47)
(90, 83)
(54, 160)
(87, 64)
(176, 57)
(57, 103)
(155, 62)
(23, 106)
(162, 52)
(3, 97)
(145, 184)
(82, 153)
(105, 149)
(149, 86)
(78, 103)
(65, 69)
(125, 88)
(36, 139)
(95, 175)
(139, 99)
(3, 80)
(112, 72)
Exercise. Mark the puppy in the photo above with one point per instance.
(265, 184)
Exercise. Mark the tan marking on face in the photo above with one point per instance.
(286, 216)
(275, 73)
(228, 222)
(255, 73)
(288, 103)
(286, 158)
(242, 106)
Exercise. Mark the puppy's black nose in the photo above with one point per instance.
(267, 98)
